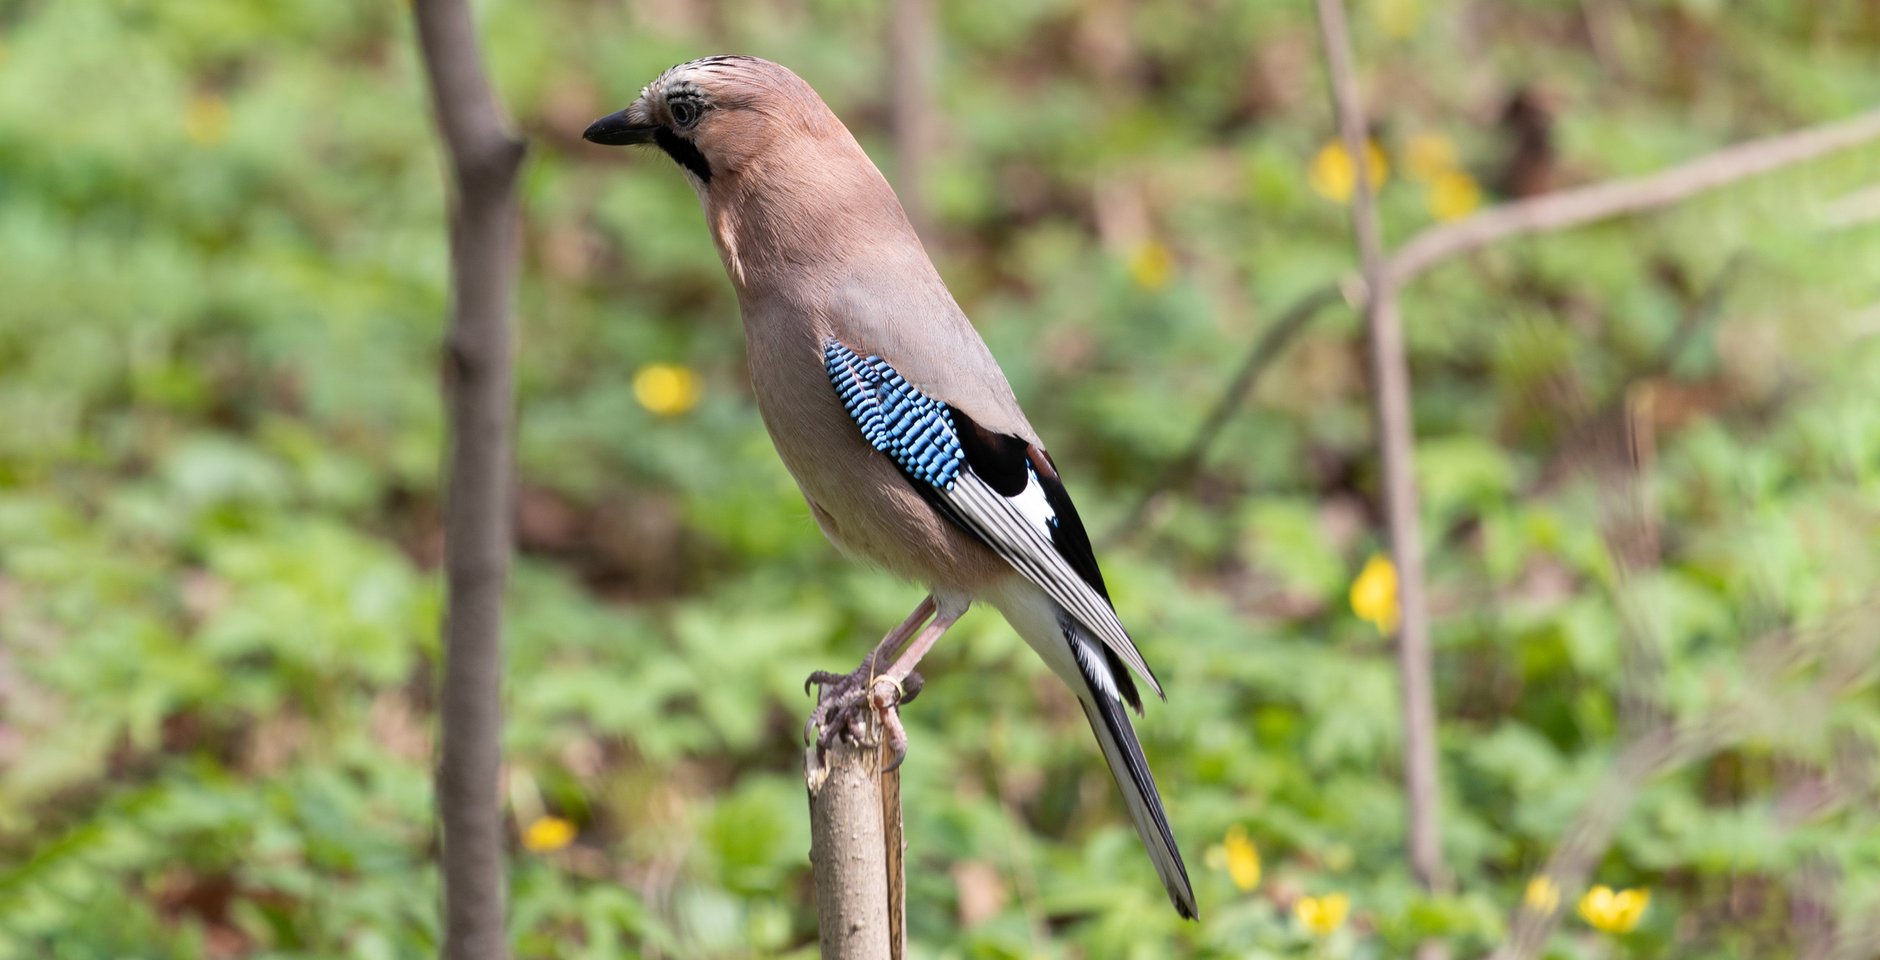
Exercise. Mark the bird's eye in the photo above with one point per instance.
(684, 112)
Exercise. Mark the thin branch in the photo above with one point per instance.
(1545, 214)
(1390, 396)
(485, 159)
(1559, 211)
(910, 99)
(1592, 830)
(1265, 350)
(1696, 317)
(1835, 673)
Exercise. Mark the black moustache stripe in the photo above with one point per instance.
(683, 152)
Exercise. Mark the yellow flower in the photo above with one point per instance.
(1614, 911)
(666, 389)
(1427, 156)
(1322, 915)
(1332, 173)
(1374, 594)
(1398, 18)
(1543, 895)
(205, 120)
(1152, 266)
(1242, 859)
(1454, 195)
(547, 834)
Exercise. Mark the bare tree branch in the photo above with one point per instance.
(1592, 830)
(1558, 211)
(910, 105)
(1264, 351)
(484, 159)
(1545, 214)
(1839, 670)
(1390, 403)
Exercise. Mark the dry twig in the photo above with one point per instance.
(1265, 350)
(1390, 399)
(910, 105)
(1553, 212)
(1835, 672)
(1544, 214)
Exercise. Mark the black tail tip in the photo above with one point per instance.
(1184, 902)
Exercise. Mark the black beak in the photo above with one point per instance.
(617, 129)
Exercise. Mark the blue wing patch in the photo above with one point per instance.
(914, 429)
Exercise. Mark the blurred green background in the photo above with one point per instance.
(222, 274)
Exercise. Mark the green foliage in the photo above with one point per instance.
(222, 247)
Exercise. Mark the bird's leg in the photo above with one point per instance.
(899, 685)
(841, 690)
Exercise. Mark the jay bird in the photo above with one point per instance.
(889, 411)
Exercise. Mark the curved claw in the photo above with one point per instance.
(842, 705)
(896, 739)
(886, 695)
(830, 708)
(822, 678)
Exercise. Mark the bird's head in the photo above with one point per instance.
(715, 116)
(780, 178)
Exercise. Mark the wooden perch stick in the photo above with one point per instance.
(484, 228)
(849, 850)
(894, 852)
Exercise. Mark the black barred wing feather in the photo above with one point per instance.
(996, 487)
(914, 429)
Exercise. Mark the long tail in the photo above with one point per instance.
(1104, 689)
(1104, 708)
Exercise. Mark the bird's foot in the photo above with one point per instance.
(886, 697)
(845, 702)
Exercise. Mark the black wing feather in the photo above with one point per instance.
(1000, 459)
(1067, 534)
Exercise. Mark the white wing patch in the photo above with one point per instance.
(1012, 532)
(920, 434)
(1032, 503)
